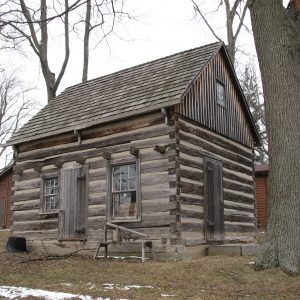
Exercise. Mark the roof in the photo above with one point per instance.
(143, 88)
(7, 168)
(261, 168)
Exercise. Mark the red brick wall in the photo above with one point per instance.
(261, 201)
(5, 196)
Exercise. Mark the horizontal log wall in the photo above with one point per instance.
(194, 143)
(158, 177)
(200, 104)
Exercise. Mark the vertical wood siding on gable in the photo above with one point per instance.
(200, 104)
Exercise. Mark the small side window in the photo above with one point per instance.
(50, 193)
(220, 93)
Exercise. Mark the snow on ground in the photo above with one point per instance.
(111, 286)
(13, 292)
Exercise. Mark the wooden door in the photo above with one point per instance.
(214, 207)
(72, 216)
(1, 213)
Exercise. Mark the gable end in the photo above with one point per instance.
(232, 117)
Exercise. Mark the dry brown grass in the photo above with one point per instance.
(205, 278)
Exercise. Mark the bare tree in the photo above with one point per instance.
(277, 39)
(20, 23)
(254, 97)
(101, 15)
(234, 11)
(14, 107)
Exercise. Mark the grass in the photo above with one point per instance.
(206, 278)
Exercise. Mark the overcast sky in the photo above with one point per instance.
(161, 27)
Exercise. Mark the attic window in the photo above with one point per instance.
(220, 93)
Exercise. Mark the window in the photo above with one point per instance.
(50, 193)
(124, 192)
(220, 91)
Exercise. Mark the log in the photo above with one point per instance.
(239, 206)
(211, 148)
(235, 197)
(26, 185)
(239, 227)
(32, 195)
(191, 188)
(231, 165)
(189, 199)
(194, 175)
(27, 205)
(21, 216)
(122, 138)
(236, 186)
(186, 126)
(97, 198)
(35, 225)
(237, 177)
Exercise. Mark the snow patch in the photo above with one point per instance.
(122, 257)
(66, 284)
(13, 292)
(111, 286)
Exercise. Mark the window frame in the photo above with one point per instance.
(221, 83)
(109, 203)
(44, 177)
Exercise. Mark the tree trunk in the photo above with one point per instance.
(86, 41)
(277, 39)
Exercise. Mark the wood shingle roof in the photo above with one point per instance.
(146, 87)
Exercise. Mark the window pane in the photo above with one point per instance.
(124, 205)
(116, 179)
(131, 183)
(124, 178)
(132, 170)
(51, 193)
(51, 202)
(220, 93)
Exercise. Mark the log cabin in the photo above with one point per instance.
(162, 150)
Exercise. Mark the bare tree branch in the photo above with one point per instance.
(197, 9)
(67, 46)
(14, 107)
(242, 18)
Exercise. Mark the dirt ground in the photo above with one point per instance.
(206, 278)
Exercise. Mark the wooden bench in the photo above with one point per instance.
(121, 239)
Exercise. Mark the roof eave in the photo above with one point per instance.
(95, 122)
